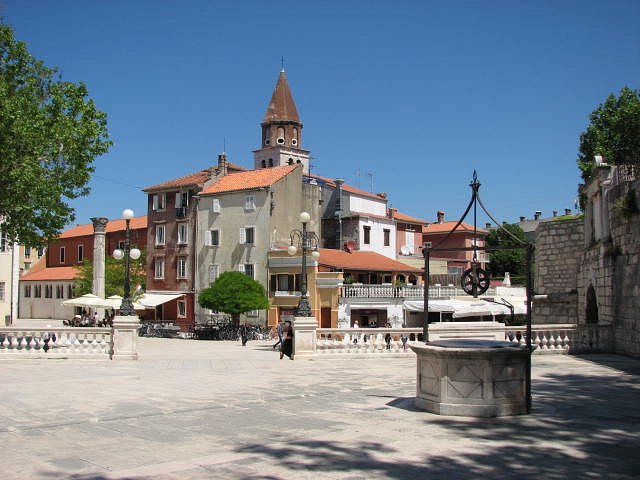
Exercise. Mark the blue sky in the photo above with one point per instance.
(416, 93)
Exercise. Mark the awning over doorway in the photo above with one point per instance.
(152, 300)
(462, 308)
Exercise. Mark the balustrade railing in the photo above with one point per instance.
(93, 342)
(407, 291)
(545, 339)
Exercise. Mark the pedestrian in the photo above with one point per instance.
(387, 339)
(404, 339)
(355, 335)
(287, 341)
(279, 331)
(244, 335)
(95, 319)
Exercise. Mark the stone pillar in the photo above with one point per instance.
(99, 233)
(124, 343)
(304, 337)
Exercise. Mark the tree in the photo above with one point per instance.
(113, 276)
(234, 293)
(613, 132)
(512, 260)
(50, 134)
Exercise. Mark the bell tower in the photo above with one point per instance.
(281, 131)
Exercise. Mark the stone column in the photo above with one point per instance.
(304, 337)
(99, 233)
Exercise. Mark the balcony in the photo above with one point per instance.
(407, 291)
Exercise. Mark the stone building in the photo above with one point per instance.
(589, 266)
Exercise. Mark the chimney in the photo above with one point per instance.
(223, 164)
(487, 225)
(440, 216)
(536, 216)
(567, 211)
(522, 219)
(555, 213)
(392, 212)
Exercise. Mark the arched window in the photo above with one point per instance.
(592, 306)
(264, 164)
(271, 162)
(280, 137)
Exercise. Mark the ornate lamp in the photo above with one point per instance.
(126, 307)
(306, 241)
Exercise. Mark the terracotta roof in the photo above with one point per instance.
(445, 227)
(249, 180)
(348, 188)
(358, 260)
(407, 219)
(193, 179)
(281, 106)
(112, 226)
(52, 273)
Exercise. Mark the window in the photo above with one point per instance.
(48, 291)
(121, 244)
(182, 308)
(283, 282)
(80, 253)
(27, 291)
(59, 291)
(182, 199)
(4, 242)
(250, 202)
(158, 271)
(183, 233)
(71, 291)
(387, 237)
(37, 291)
(159, 201)
(40, 252)
(247, 235)
(454, 270)
(2, 291)
(212, 238)
(27, 252)
(62, 254)
(159, 235)
(182, 267)
(215, 205)
(214, 273)
(247, 269)
(367, 235)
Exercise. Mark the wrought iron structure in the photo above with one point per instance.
(126, 306)
(306, 241)
(475, 280)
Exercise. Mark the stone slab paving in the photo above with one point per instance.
(198, 410)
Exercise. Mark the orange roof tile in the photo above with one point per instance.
(347, 188)
(249, 180)
(445, 227)
(358, 260)
(407, 219)
(192, 179)
(50, 274)
(112, 226)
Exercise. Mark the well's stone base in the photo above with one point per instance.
(471, 378)
(304, 337)
(125, 337)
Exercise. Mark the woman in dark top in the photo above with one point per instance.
(287, 341)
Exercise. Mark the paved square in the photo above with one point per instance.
(197, 410)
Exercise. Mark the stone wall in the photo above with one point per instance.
(559, 248)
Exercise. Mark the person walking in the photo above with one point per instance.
(244, 335)
(287, 341)
(280, 332)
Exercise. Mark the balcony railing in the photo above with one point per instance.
(407, 291)
(181, 212)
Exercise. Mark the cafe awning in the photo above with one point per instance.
(152, 300)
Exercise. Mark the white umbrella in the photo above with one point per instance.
(86, 300)
(114, 301)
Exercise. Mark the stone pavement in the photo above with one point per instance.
(199, 410)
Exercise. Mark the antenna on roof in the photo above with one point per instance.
(224, 144)
(370, 181)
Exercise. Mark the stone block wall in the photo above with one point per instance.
(559, 248)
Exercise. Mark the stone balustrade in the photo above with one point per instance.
(546, 339)
(407, 291)
(117, 342)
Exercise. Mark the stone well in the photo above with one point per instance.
(475, 378)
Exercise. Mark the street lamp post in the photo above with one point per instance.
(126, 307)
(306, 241)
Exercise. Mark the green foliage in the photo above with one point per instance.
(613, 132)
(234, 293)
(626, 205)
(50, 133)
(512, 260)
(113, 276)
